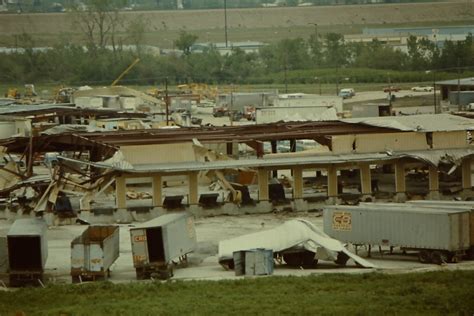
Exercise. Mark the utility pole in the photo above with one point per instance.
(389, 92)
(225, 22)
(437, 110)
(167, 102)
(459, 86)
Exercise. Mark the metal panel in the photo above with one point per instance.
(393, 141)
(457, 139)
(139, 247)
(259, 262)
(4, 264)
(145, 154)
(403, 227)
(96, 249)
(178, 237)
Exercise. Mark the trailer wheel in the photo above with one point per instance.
(438, 257)
(424, 256)
(341, 259)
(308, 260)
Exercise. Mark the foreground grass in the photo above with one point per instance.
(372, 293)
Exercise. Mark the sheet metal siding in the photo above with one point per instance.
(111, 248)
(179, 237)
(396, 228)
(139, 247)
(31, 227)
(95, 256)
(4, 264)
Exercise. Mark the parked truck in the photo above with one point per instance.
(93, 252)
(160, 242)
(439, 235)
(27, 251)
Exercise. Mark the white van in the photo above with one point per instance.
(347, 93)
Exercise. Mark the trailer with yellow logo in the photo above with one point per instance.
(161, 242)
(438, 235)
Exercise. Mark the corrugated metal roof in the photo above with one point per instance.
(418, 123)
(27, 227)
(428, 156)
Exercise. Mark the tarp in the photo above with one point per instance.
(298, 233)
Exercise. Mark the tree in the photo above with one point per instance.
(99, 21)
(185, 41)
(335, 53)
(136, 30)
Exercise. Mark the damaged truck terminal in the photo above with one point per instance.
(99, 193)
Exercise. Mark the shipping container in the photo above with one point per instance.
(94, 251)
(439, 235)
(27, 251)
(156, 243)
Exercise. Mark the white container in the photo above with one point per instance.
(399, 226)
(160, 240)
(94, 251)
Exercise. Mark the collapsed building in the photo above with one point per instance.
(139, 174)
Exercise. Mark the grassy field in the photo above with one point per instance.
(256, 24)
(372, 293)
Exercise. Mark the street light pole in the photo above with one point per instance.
(434, 94)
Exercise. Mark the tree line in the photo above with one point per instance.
(325, 58)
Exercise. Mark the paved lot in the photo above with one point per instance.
(203, 263)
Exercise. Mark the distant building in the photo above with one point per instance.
(397, 37)
(248, 47)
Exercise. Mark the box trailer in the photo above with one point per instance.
(27, 251)
(93, 252)
(156, 243)
(439, 235)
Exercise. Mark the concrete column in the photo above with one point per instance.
(274, 151)
(156, 187)
(297, 183)
(365, 179)
(263, 185)
(332, 181)
(121, 192)
(193, 188)
(400, 183)
(433, 183)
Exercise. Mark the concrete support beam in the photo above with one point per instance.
(156, 187)
(400, 182)
(263, 185)
(120, 192)
(466, 174)
(365, 179)
(193, 188)
(433, 179)
(297, 183)
(332, 181)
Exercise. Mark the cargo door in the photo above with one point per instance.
(154, 237)
(139, 247)
(96, 261)
(77, 256)
(25, 253)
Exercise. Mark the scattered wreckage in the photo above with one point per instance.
(298, 242)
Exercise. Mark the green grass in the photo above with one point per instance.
(372, 293)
